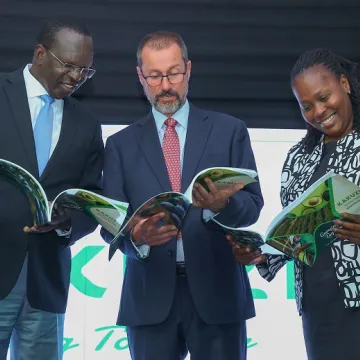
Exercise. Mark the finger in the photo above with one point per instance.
(28, 229)
(234, 244)
(212, 188)
(140, 223)
(237, 187)
(257, 260)
(351, 217)
(228, 192)
(248, 251)
(245, 260)
(158, 242)
(43, 230)
(39, 229)
(203, 193)
(60, 211)
(347, 234)
(160, 239)
(197, 195)
(151, 221)
(163, 230)
(347, 225)
(242, 251)
(353, 239)
(229, 237)
(197, 202)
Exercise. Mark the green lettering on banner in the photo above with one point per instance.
(68, 344)
(77, 278)
(250, 344)
(120, 344)
(290, 281)
(257, 293)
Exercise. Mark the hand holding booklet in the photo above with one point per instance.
(305, 228)
(175, 205)
(107, 212)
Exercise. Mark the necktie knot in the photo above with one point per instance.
(170, 122)
(47, 99)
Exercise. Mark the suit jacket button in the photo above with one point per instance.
(170, 252)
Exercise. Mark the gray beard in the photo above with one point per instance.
(170, 108)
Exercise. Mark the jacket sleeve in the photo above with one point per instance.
(244, 206)
(114, 188)
(91, 179)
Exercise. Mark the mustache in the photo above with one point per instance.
(164, 93)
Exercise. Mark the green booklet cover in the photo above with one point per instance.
(305, 228)
(107, 212)
(176, 205)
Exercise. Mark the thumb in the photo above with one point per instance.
(238, 187)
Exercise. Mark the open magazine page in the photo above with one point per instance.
(249, 238)
(346, 196)
(222, 177)
(174, 205)
(107, 212)
(30, 187)
(245, 238)
(305, 228)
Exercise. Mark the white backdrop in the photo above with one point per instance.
(95, 288)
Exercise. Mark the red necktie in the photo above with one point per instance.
(171, 150)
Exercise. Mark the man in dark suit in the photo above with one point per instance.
(59, 143)
(181, 294)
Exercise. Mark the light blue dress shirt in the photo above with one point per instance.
(182, 118)
(34, 90)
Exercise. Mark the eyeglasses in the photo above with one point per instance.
(156, 80)
(86, 73)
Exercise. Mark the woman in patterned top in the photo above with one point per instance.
(327, 294)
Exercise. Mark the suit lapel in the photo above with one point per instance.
(16, 92)
(197, 135)
(67, 133)
(149, 143)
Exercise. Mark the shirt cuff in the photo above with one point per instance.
(208, 215)
(65, 233)
(143, 251)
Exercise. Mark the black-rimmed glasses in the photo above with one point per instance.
(156, 80)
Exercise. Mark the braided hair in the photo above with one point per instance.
(338, 66)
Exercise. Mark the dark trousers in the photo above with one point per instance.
(184, 331)
(331, 332)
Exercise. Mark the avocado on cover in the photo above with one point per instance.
(313, 201)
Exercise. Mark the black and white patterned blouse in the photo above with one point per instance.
(297, 172)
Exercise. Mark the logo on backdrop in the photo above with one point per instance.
(115, 336)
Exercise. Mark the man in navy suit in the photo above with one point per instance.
(184, 294)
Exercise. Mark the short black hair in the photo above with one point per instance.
(338, 66)
(49, 30)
